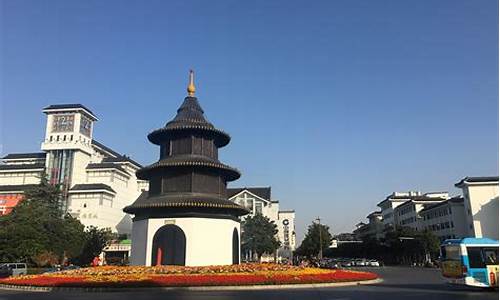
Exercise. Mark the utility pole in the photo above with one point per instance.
(320, 255)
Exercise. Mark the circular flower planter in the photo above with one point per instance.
(174, 276)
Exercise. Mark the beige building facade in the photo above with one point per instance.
(97, 182)
(481, 206)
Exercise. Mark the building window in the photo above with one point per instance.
(258, 207)
(249, 204)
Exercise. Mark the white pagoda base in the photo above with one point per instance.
(208, 241)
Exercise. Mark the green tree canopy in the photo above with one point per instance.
(259, 235)
(310, 245)
(37, 226)
(408, 245)
(95, 241)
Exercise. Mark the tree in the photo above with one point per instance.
(430, 243)
(259, 235)
(408, 245)
(310, 245)
(95, 241)
(36, 227)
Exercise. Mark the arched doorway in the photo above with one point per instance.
(236, 247)
(169, 246)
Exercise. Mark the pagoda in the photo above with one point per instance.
(186, 218)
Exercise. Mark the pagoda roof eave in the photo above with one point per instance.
(190, 202)
(231, 173)
(157, 136)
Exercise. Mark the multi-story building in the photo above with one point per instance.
(408, 213)
(345, 236)
(473, 215)
(481, 206)
(373, 229)
(445, 219)
(258, 201)
(96, 181)
(391, 202)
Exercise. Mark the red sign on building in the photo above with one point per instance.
(8, 202)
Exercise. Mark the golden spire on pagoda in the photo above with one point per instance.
(191, 89)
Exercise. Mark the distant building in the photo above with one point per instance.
(389, 204)
(481, 205)
(473, 215)
(345, 236)
(373, 229)
(258, 201)
(407, 214)
(445, 219)
(96, 181)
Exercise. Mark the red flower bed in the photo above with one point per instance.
(205, 276)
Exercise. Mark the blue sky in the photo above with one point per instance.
(335, 104)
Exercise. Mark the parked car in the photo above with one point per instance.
(331, 264)
(373, 263)
(5, 271)
(345, 263)
(360, 263)
(16, 268)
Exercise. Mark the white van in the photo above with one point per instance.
(17, 268)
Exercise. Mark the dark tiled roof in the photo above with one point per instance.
(393, 198)
(22, 166)
(122, 159)
(375, 213)
(118, 157)
(105, 148)
(263, 192)
(16, 188)
(173, 202)
(40, 155)
(69, 106)
(457, 199)
(91, 186)
(190, 116)
(413, 197)
(477, 179)
(422, 199)
(188, 161)
(106, 166)
(426, 198)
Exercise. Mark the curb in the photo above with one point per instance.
(30, 288)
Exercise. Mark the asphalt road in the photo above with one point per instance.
(399, 283)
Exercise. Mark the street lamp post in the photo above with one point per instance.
(320, 254)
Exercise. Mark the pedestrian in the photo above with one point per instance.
(96, 261)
